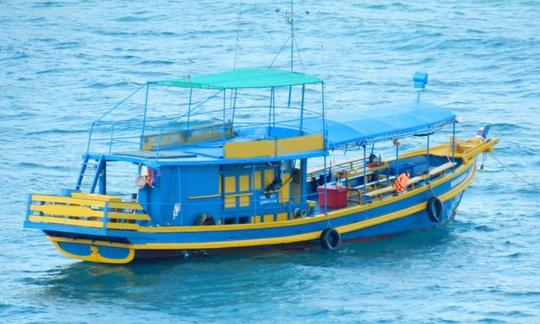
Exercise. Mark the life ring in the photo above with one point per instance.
(435, 209)
(330, 239)
(204, 220)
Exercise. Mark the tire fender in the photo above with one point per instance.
(330, 239)
(435, 209)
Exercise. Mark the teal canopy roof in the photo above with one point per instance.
(360, 126)
(242, 78)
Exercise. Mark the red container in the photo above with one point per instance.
(336, 196)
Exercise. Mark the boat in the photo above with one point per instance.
(240, 178)
(247, 163)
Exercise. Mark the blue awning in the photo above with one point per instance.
(365, 125)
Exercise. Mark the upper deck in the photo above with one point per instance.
(224, 127)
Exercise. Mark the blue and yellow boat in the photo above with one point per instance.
(250, 166)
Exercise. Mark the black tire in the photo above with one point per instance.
(330, 239)
(204, 220)
(435, 209)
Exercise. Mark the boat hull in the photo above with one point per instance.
(387, 217)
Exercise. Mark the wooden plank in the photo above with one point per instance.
(98, 197)
(125, 205)
(86, 202)
(65, 221)
(142, 217)
(67, 200)
(66, 210)
(80, 212)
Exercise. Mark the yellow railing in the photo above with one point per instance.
(86, 210)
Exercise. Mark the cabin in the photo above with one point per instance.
(228, 171)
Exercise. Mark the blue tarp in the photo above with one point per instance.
(377, 123)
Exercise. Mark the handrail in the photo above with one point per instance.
(108, 112)
(90, 210)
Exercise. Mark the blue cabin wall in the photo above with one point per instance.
(181, 194)
(200, 192)
(231, 194)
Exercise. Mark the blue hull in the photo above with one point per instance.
(390, 216)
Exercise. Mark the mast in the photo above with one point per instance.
(291, 22)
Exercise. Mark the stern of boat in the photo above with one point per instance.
(80, 225)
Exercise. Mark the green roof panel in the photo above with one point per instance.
(242, 79)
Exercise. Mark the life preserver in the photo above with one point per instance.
(330, 239)
(400, 184)
(434, 209)
(204, 219)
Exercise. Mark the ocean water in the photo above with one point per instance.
(62, 64)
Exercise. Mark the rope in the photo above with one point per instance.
(280, 50)
(511, 171)
(298, 53)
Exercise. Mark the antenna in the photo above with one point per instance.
(289, 16)
(289, 19)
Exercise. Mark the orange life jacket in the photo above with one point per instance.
(401, 182)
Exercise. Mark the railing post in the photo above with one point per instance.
(105, 218)
(28, 204)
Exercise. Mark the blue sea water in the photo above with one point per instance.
(64, 63)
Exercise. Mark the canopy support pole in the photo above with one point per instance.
(255, 201)
(325, 148)
(270, 109)
(302, 108)
(453, 141)
(273, 107)
(144, 114)
(290, 95)
(224, 107)
(325, 202)
(234, 106)
(397, 158)
(324, 118)
(303, 174)
(365, 171)
(189, 107)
